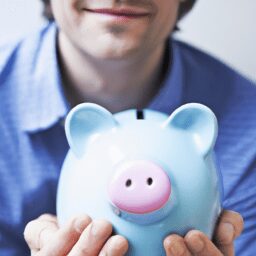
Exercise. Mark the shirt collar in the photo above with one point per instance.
(43, 99)
(170, 95)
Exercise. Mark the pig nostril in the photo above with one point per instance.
(149, 181)
(128, 183)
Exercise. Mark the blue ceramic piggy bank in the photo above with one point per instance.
(149, 174)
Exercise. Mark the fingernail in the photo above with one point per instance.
(228, 232)
(95, 229)
(177, 249)
(100, 228)
(80, 224)
(196, 244)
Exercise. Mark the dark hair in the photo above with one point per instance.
(185, 7)
(47, 10)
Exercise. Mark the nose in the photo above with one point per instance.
(139, 187)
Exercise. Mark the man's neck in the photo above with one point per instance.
(115, 84)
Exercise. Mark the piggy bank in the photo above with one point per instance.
(147, 173)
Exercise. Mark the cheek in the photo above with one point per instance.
(66, 13)
(166, 17)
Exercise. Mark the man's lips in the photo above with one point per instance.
(125, 12)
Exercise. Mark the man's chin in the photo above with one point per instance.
(115, 51)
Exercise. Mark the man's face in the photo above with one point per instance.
(112, 29)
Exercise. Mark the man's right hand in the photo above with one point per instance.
(79, 237)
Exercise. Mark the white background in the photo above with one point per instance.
(224, 28)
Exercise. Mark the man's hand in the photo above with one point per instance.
(82, 236)
(79, 237)
(196, 243)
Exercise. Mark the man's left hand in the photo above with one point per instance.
(196, 243)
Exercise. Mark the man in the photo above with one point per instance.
(117, 54)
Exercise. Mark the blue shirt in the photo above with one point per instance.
(33, 144)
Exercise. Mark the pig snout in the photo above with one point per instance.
(139, 187)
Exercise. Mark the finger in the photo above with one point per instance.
(115, 246)
(92, 239)
(65, 238)
(229, 227)
(33, 252)
(174, 245)
(237, 223)
(200, 245)
(48, 217)
(36, 228)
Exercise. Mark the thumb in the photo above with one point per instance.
(39, 230)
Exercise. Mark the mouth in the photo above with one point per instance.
(120, 13)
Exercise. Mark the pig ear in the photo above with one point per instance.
(85, 120)
(199, 121)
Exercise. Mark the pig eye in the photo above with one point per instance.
(140, 114)
(149, 181)
(128, 183)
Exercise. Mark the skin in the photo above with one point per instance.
(118, 65)
(83, 236)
